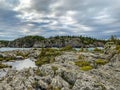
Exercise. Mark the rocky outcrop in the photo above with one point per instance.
(64, 74)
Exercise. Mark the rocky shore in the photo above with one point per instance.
(70, 70)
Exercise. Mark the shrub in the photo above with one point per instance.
(86, 68)
(10, 58)
(39, 73)
(49, 52)
(81, 57)
(82, 63)
(25, 55)
(101, 62)
(7, 58)
(3, 66)
(1, 59)
(1, 56)
(47, 56)
(67, 48)
(118, 48)
(54, 68)
(42, 61)
(82, 50)
(56, 88)
(97, 50)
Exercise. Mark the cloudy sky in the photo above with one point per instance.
(95, 18)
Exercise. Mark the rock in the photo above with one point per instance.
(63, 74)
(86, 82)
(70, 76)
(58, 82)
(19, 57)
(47, 70)
(67, 56)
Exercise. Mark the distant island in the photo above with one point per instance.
(57, 41)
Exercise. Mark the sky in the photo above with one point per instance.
(94, 18)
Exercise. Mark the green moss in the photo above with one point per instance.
(86, 68)
(82, 63)
(101, 62)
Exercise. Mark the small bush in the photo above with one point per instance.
(54, 68)
(1, 59)
(47, 56)
(3, 66)
(98, 50)
(7, 58)
(81, 57)
(25, 55)
(82, 63)
(56, 88)
(86, 68)
(118, 48)
(67, 48)
(38, 72)
(82, 50)
(42, 61)
(10, 58)
(101, 62)
(1, 56)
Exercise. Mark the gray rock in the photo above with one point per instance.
(19, 57)
(59, 82)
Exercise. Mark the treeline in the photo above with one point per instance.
(3, 43)
(57, 41)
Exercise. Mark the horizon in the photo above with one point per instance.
(89, 18)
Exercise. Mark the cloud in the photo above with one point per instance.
(95, 18)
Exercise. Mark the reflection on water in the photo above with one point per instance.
(19, 65)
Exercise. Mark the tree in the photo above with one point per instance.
(114, 39)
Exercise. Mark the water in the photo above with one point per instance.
(11, 49)
(19, 65)
(89, 49)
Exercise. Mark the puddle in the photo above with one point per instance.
(19, 65)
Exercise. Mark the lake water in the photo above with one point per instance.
(19, 65)
(11, 49)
